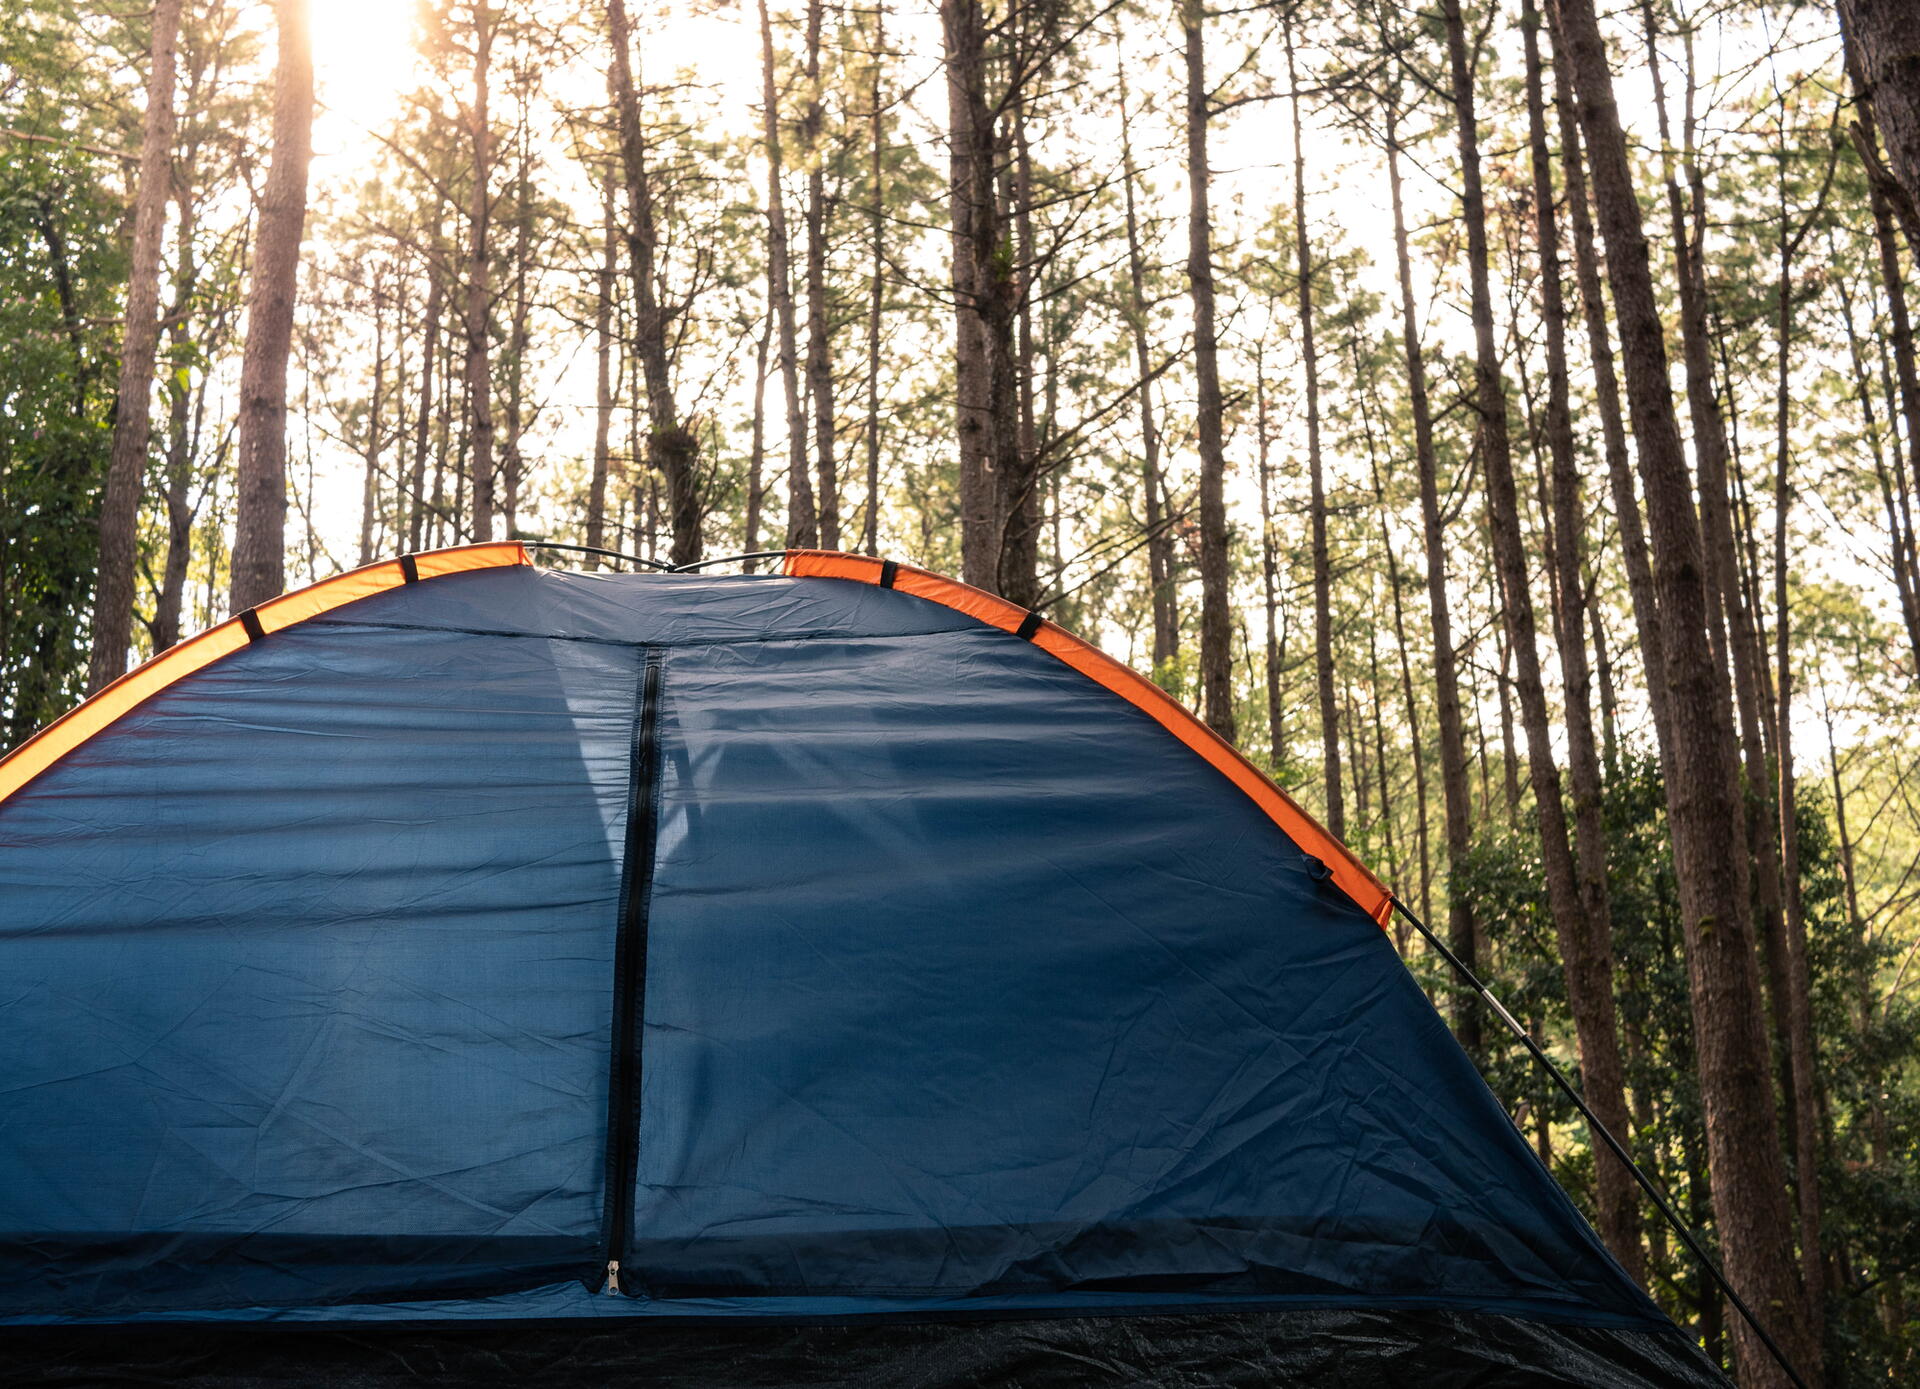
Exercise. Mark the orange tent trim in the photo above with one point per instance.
(1352, 876)
(137, 686)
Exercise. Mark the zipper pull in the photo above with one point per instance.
(613, 1278)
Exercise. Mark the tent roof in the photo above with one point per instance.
(97, 713)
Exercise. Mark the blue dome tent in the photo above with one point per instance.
(837, 975)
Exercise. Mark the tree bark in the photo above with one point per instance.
(1702, 787)
(513, 461)
(1018, 469)
(673, 451)
(1415, 739)
(819, 307)
(1606, 385)
(370, 477)
(803, 516)
(423, 420)
(1269, 564)
(1456, 793)
(1316, 477)
(260, 519)
(479, 293)
(757, 445)
(132, 415)
(1806, 1124)
(1893, 285)
(1732, 622)
(1884, 36)
(603, 380)
(1601, 1066)
(877, 293)
(984, 299)
(1893, 492)
(1216, 619)
(1160, 560)
(165, 628)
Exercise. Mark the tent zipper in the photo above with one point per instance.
(630, 973)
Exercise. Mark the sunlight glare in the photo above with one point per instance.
(363, 55)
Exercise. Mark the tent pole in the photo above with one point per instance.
(728, 559)
(595, 550)
(1646, 1182)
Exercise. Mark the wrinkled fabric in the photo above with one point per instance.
(953, 980)
(1326, 1349)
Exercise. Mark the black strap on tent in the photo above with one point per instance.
(410, 569)
(1029, 625)
(1654, 1193)
(889, 572)
(596, 550)
(250, 624)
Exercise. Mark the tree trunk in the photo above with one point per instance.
(984, 298)
(672, 449)
(1269, 562)
(479, 293)
(1893, 492)
(1385, 817)
(423, 421)
(1369, 400)
(370, 478)
(819, 308)
(1702, 787)
(1599, 1039)
(1503, 648)
(1806, 1124)
(1606, 385)
(603, 380)
(876, 301)
(165, 627)
(513, 462)
(1731, 618)
(1893, 285)
(1019, 467)
(757, 445)
(260, 483)
(1216, 618)
(127, 466)
(1316, 479)
(1456, 795)
(803, 517)
(1160, 560)
(1603, 676)
(1884, 36)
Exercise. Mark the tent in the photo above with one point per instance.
(837, 975)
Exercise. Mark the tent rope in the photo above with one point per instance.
(1646, 1182)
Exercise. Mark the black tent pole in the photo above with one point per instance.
(653, 564)
(1666, 1209)
(727, 559)
(596, 550)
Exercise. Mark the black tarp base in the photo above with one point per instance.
(1325, 1348)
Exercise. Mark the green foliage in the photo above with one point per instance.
(1867, 1045)
(60, 272)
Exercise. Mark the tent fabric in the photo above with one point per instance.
(1349, 874)
(1327, 1348)
(130, 690)
(746, 947)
